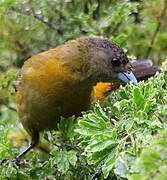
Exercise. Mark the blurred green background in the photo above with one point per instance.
(28, 27)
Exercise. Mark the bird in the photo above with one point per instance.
(59, 82)
(142, 69)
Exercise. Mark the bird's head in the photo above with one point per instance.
(120, 67)
(110, 62)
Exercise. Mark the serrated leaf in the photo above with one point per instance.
(89, 125)
(120, 168)
(129, 124)
(121, 104)
(72, 158)
(149, 105)
(99, 146)
(63, 165)
(138, 98)
(109, 162)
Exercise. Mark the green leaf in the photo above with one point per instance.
(110, 162)
(138, 98)
(120, 39)
(121, 104)
(72, 158)
(99, 146)
(66, 127)
(63, 159)
(149, 105)
(129, 124)
(149, 161)
(120, 168)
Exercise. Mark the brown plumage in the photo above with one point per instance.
(59, 82)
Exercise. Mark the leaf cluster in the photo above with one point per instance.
(115, 135)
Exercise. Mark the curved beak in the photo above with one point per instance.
(127, 77)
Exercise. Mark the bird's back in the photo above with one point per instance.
(48, 87)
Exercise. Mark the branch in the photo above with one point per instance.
(96, 12)
(156, 30)
(32, 13)
(7, 105)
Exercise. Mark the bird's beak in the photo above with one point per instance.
(127, 77)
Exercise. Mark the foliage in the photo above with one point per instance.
(7, 89)
(30, 26)
(115, 135)
(151, 164)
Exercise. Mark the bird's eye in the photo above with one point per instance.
(116, 62)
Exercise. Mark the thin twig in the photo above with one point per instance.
(96, 12)
(156, 30)
(32, 13)
(7, 105)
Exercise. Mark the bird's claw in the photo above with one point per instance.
(3, 160)
(15, 161)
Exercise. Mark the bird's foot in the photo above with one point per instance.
(3, 160)
(16, 161)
